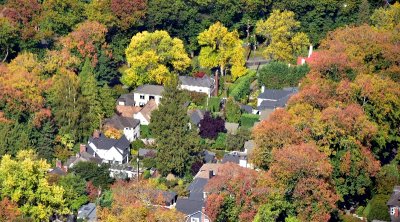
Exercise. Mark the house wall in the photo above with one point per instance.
(142, 101)
(197, 89)
(140, 117)
(108, 155)
(132, 133)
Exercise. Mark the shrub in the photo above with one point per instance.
(377, 208)
(232, 111)
(247, 120)
(277, 75)
(241, 88)
(197, 97)
(220, 142)
(145, 131)
(137, 144)
(214, 104)
(146, 174)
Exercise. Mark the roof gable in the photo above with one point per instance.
(150, 89)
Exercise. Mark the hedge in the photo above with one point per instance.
(214, 104)
(248, 120)
(241, 88)
(278, 75)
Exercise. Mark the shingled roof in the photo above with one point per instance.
(150, 89)
(206, 81)
(120, 122)
(104, 143)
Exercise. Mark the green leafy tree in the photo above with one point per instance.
(24, 181)
(377, 208)
(387, 178)
(387, 18)
(177, 144)
(232, 111)
(236, 142)
(98, 175)
(283, 39)
(8, 38)
(153, 58)
(222, 49)
(277, 75)
(75, 191)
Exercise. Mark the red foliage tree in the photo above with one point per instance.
(128, 12)
(210, 127)
(8, 210)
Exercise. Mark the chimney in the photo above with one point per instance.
(310, 51)
(82, 148)
(96, 134)
(216, 83)
(210, 174)
(303, 60)
(59, 164)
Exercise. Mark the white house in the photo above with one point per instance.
(144, 115)
(240, 158)
(143, 94)
(129, 126)
(203, 85)
(271, 99)
(109, 150)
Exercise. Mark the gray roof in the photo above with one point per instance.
(231, 127)
(120, 122)
(394, 200)
(188, 206)
(128, 99)
(88, 212)
(150, 89)
(249, 145)
(233, 157)
(105, 143)
(196, 115)
(209, 157)
(206, 81)
(144, 152)
(246, 108)
(197, 186)
(277, 94)
(58, 171)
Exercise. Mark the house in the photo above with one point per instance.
(271, 99)
(82, 156)
(196, 115)
(239, 158)
(143, 94)
(194, 84)
(123, 171)
(126, 100)
(394, 205)
(129, 126)
(144, 115)
(209, 157)
(231, 128)
(198, 216)
(194, 204)
(248, 146)
(109, 150)
(87, 212)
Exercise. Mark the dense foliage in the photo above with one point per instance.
(277, 75)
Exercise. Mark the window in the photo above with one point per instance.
(141, 96)
(194, 219)
(206, 220)
(392, 210)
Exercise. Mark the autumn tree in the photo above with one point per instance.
(24, 180)
(154, 58)
(130, 202)
(177, 143)
(283, 39)
(223, 50)
(8, 210)
(387, 18)
(234, 194)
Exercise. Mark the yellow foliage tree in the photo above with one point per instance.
(223, 49)
(387, 18)
(153, 58)
(24, 181)
(284, 43)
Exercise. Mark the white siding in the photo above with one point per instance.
(140, 117)
(197, 89)
(142, 99)
(132, 133)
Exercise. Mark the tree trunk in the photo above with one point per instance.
(5, 57)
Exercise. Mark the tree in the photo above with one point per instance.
(378, 208)
(280, 30)
(277, 75)
(8, 37)
(210, 127)
(24, 181)
(387, 18)
(236, 142)
(89, 171)
(8, 210)
(176, 142)
(75, 191)
(130, 202)
(232, 111)
(234, 194)
(222, 49)
(154, 58)
(364, 12)
(386, 179)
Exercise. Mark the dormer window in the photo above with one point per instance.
(141, 96)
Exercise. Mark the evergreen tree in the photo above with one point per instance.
(177, 144)
(232, 111)
(364, 12)
(42, 139)
(106, 95)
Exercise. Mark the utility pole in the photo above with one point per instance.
(137, 176)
